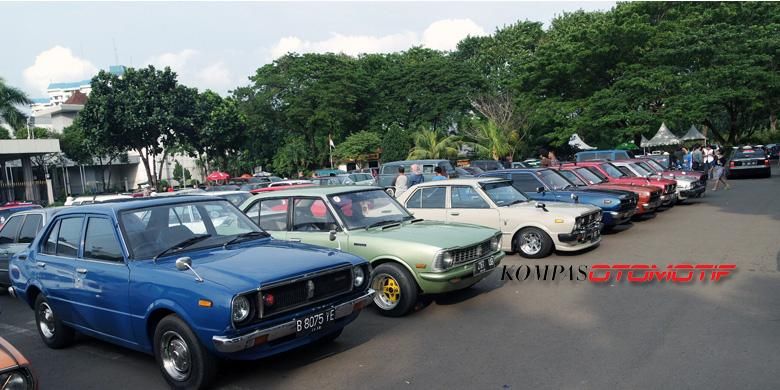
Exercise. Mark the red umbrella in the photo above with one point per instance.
(246, 176)
(217, 176)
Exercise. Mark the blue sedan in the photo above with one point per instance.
(544, 184)
(187, 279)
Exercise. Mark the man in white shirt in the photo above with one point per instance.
(401, 182)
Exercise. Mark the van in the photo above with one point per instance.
(389, 171)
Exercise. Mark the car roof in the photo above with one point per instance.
(461, 181)
(435, 160)
(218, 193)
(49, 211)
(134, 203)
(318, 190)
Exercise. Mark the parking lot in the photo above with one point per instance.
(529, 334)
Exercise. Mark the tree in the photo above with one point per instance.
(489, 140)
(357, 146)
(431, 144)
(181, 174)
(396, 144)
(38, 133)
(292, 157)
(10, 99)
(4, 133)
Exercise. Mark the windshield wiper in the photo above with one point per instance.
(380, 223)
(181, 245)
(252, 234)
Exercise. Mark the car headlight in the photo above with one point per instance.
(241, 309)
(495, 243)
(607, 201)
(15, 380)
(443, 261)
(359, 276)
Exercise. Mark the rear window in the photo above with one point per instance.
(749, 153)
(8, 233)
(32, 224)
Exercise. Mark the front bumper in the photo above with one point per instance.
(260, 336)
(668, 199)
(650, 206)
(582, 236)
(457, 277)
(691, 193)
(612, 218)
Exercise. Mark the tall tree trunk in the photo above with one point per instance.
(162, 161)
(773, 121)
(145, 160)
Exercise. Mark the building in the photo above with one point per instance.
(57, 117)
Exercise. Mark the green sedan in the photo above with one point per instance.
(409, 256)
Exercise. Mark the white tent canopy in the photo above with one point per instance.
(578, 143)
(644, 142)
(663, 137)
(693, 134)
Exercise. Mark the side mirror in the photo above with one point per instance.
(540, 189)
(540, 205)
(332, 235)
(183, 263)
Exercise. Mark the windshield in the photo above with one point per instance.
(553, 180)
(612, 171)
(591, 176)
(503, 193)
(365, 208)
(149, 231)
(648, 167)
(655, 165)
(749, 153)
(570, 176)
(237, 199)
(641, 171)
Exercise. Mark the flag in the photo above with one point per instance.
(330, 142)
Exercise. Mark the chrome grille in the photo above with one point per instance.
(303, 291)
(470, 253)
(654, 196)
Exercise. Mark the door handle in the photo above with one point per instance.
(81, 270)
(455, 213)
(294, 239)
(40, 264)
(22, 257)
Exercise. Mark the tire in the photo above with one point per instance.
(183, 361)
(53, 332)
(396, 290)
(533, 243)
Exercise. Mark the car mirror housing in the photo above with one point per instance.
(332, 235)
(540, 189)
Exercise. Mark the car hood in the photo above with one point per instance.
(249, 265)
(558, 208)
(614, 191)
(644, 190)
(589, 195)
(430, 233)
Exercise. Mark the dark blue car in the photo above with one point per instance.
(187, 279)
(544, 184)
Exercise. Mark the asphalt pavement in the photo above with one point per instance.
(529, 334)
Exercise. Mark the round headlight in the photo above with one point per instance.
(495, 243)
(241, 308)
(446, 260)
(14, 380)
(359, 274)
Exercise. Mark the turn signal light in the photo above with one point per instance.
(205, 303)
(732, 164)
(766, 163)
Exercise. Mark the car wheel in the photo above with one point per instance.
(533, 243)
(390, 192)
(183, 361)
(396, 290)
(53, 332)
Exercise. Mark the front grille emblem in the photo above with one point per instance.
(309, 289)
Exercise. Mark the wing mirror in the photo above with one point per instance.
(540, 189)
(575, 198)
(332, 235)
(185, 263)
(540, 205)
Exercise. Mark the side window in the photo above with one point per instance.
(70, 237)
(10, 229)
(428, 198)
(30, 228)
(466, 197)
(525, 182)
(100, 242)
(311, 215)
(270, 214)
(415, 201)
(626, 171)
(50, 244)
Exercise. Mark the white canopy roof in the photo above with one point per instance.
(578, 143)
(663, 137)
(643, 142)
(693, 134)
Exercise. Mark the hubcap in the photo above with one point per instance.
(388, 291)
(531, 243)
(46, 322)
(175, 356)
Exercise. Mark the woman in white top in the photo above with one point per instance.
(401, 182)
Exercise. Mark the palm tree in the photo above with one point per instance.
(489, 140)
(431, 144)
(10, 98)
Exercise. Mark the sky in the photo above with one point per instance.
(219, 45)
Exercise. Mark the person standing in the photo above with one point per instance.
(709, 158)
(696, 158)
(687, 160)
(439, 174)
(553, 159)
(416, 177)
(678, 158)
(719, 171)
(401, 182)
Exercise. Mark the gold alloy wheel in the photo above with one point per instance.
(388, 291)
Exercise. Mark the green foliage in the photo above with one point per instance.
(10, 100)
(4, 133)
(38, 133)
(292, 157)
(396, 144)
(357, 145)
(431, 144)
(181, 174)
(488, 140)
(74, 144)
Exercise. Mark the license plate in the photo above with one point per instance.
(484, 265)
(314, 322)
(596, 236)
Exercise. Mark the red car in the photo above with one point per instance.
(279, 188)
(649, 196)
(618, 176)
(659, 169)
(14, 207)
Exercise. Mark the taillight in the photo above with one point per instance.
(732, 164)
(766, 163)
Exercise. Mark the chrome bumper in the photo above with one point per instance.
(249, 340)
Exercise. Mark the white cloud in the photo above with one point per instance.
(445, 34)
(57, 64)
(176, 61)
(439, 35)
(215, 76)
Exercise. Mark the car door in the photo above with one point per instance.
(101, 280)
(467, 205)
(56, 266)
(8, 245)
(428, 203)
(312, 222)
(271, 215)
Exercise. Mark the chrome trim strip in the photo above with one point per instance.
(235, 344)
